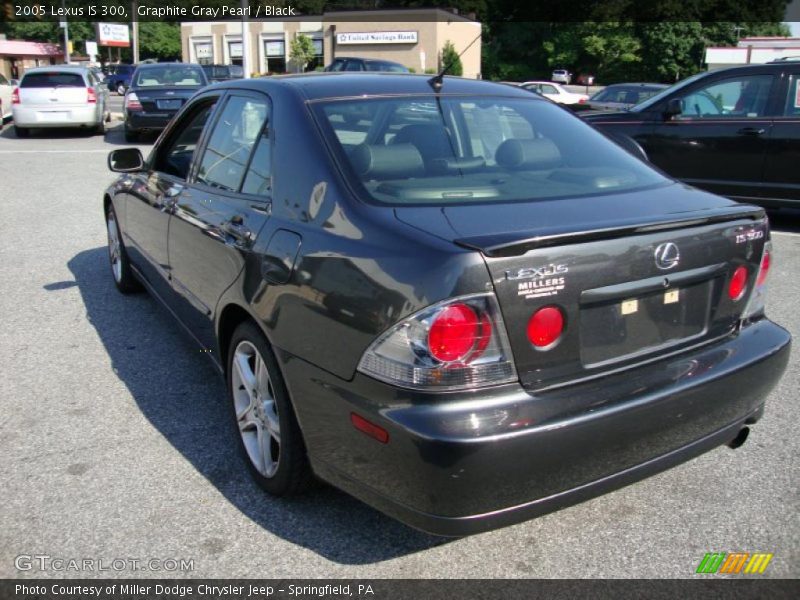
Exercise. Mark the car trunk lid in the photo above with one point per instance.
(636, 276)
(164, 99)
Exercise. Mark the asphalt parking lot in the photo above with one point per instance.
(116, 441)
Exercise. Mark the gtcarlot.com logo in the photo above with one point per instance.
(734, 563)
(45, 562)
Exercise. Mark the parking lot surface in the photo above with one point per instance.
(116, 440)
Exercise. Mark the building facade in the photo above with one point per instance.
(754, 50)
(414, 38)
(16, 56)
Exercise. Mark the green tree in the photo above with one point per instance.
(159, 40)
(302, 51)
(451, 60)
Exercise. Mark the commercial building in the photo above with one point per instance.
(752, 50)
(16, 56)
(413, 37)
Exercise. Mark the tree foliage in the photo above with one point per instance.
(451, 60)
(302, 51)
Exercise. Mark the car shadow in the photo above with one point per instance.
(786, 220)
(115, 135)
(182, 395)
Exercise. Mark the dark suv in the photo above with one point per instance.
(735, 132)
(119, 78)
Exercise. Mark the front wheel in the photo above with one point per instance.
(124, 278)
(269, 436)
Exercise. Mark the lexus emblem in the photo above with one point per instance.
(667, 256)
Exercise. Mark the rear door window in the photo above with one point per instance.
(227, 154)
(176, 156)
(52, 79)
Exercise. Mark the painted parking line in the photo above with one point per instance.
(54, 151)
(791, 233)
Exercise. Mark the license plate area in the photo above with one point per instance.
(622, 328)
(53, 116)
(168, 104)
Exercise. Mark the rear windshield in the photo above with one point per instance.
(169, 76)
(373, 65)
(52, 79)
(419, 150)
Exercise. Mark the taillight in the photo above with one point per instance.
(132, 102)
(15, 96)
(456, 344)
(737, 284)
(755, 305)
(582, 101)
(545, 327)
(91, 96)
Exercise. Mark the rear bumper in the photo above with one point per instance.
(83, 116)
(461, 463)
(139, 121)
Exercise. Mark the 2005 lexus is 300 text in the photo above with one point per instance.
(450, 298)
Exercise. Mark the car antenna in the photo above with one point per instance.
(437, 80)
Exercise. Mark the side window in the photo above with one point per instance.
(733, 98)
(353, 65)
(258, 180)
(549, 89)
(793, 98)
(176, 157)
(3, 80)
(225, 158)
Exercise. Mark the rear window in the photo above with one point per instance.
(52, 79)
(417, 150)
(170, 76)
(386, 67)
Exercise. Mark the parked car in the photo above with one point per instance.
(561, 76)
(59, 96)
(119, 78)
(216, 73)
(730, 131)
(6, 91)
(554, 92)
(156, 94)
(623, 96)
(346, 63)
(466, 315)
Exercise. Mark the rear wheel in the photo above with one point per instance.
(100, 128)
(21, 132)
(269, 436)
(120, 89)
(124, 278)
(131, 136)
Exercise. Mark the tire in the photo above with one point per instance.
(100, 128)
(21, 132)
(268, 435)
(121, 89)
(121, 271)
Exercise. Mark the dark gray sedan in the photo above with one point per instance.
(452, 299)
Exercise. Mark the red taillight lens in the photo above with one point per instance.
(91, 96)
(453, 333)
(15, 96)
(738, 284)
(545, 326)
(764, 269)
(132, 102)
(582, 101)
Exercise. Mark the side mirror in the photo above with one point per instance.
(125, 160)
(674, 108)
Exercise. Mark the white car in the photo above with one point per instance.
(561, 76)
(554, 92)
(59, 96)
(6, 90)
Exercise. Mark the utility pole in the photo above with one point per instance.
(245, 42)
(737, 29)
(135, 23)
(65, 25)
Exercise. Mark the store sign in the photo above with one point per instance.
(377, 37)
(113, 34)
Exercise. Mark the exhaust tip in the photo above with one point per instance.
(740, 438)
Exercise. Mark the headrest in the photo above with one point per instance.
(538, 153)
(395, 161)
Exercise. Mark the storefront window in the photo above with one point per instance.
(235, 53)
(274, 56)
(204, 53)
(319, 60)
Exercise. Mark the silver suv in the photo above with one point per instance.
(59, 96)
(561, 76)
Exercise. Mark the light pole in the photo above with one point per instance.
(65, 25)
(245, 42)
(135, 23)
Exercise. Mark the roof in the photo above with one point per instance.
(317, 86)
(22, 48)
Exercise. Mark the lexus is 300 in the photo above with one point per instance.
(450, 298)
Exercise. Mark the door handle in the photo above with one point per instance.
(752, 131)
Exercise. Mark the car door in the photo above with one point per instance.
(151, 196)
(781, 173)
(719, 140)
(217, 216)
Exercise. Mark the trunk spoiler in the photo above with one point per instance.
(518, 243)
